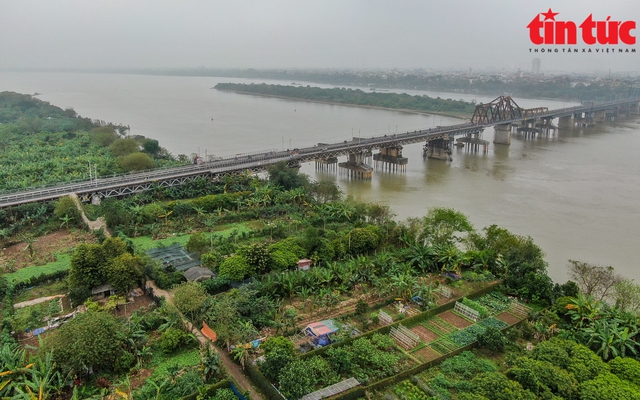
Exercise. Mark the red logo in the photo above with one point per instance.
(550, 31)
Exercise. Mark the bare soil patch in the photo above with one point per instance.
(427, 354)
(139, 302)
(426, 334)
(139, 378)
(43, 249)
(508, 318)
(455, 320)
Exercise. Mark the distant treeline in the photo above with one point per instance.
(354, 97)
(561, 87)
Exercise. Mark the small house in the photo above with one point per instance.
(102, 292)
(304, 264)
(320, 331)
(198, 274)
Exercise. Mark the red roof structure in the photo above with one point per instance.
(208, 332)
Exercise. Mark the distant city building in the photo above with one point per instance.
(535, 66)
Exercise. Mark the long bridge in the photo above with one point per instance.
(502, 113)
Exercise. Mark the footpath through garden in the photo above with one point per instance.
(234, 369)
(93, 225)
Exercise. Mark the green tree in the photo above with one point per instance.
(91, 341)
(123, 147)
(151, 146)
(66, 208)
(285, 177)
(197, 243)
(189, 297)
(235, 268)
(492, 339)
(440, 226)
(136, 162)
(125, 272)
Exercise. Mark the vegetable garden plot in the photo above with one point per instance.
(404, 337)
(445, 291)
(385, 318)
(455, 320)
(426, 335)
(427, 354)
(519, 310)
(466, 311)
(509, 318)
(439, 326)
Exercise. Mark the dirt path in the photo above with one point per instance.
(36, 301)
(93, 225)
(234, 369)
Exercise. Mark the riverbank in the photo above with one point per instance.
(464, 116)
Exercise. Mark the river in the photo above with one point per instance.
(576, 193)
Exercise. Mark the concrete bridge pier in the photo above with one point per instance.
(391, 159)
(502, 134)
(356, 166)
(600, 116)
(472, 142)
(439, 149)
(327, 164)
(566, 122)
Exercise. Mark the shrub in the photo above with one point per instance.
(492, 339)
(136, 162)
(173, 339)
(235, 268)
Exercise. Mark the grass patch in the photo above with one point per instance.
(49, 289)
(144, 243)
(62, 263)
(185, 358)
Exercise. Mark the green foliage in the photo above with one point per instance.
(189, 297)
(93, 265)
(573, 357)
(103, 136)
(441, 224)
(465, 365)
(360, 241)
(136, 162)
(125, 272)
(492, 339)
(275, 361)
(123, 147)
(608, 386)
(496, 386)
(258, 257)
(627, 369)
(66, 208)
(223, 394)
(151, 146)
(235, 268)
(90, 340)
(197, 243)
(474, 305)
(173, 339)
(285, 177)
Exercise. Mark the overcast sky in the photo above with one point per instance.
(295, 33)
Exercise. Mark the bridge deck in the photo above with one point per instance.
(134, 182)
